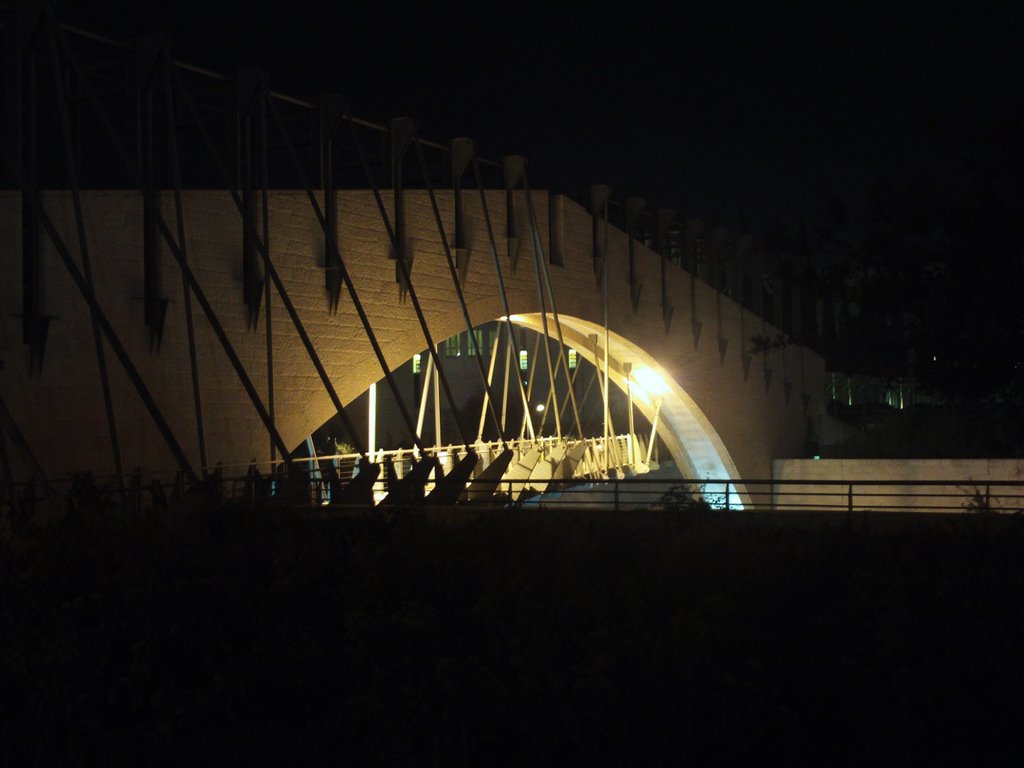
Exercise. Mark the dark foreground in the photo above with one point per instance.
(238, 636)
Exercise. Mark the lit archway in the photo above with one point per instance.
(688, 435)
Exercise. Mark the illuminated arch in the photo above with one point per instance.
(691, 439)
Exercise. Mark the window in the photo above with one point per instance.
(416, 363)
(478, 337)
(451, 346)
(524, 360)
(573, 359)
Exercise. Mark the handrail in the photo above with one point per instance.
(640, 493)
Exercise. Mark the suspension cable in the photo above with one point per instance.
(261, 246)
(509, 325)
(83, 247)
(350, 286)
(539, 251)
(407, 278)
(477, 351)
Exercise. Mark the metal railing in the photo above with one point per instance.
(593, 493)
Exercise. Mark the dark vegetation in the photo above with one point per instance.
(923, 277)
(932, 272)
(932, 431)
(237, 635)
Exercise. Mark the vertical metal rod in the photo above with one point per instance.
(320, 489)
(487, 393)
(456, 282)
(266, 251)
(552, 384)
(579, 402)
(510, 326)
(427, 381)
(437, 405)
(531, 376)
(654, 430)
(403, 271)
(551, 396)
(186, 270)
(33, 322)
(85, 289)
(544, 326)
(269, 267)
(590, 384)
(504, 388)
(604, 388)
(83, 247)
(629, 396)
(175, 170)
(602, 383)
(371, 429)
(563, 363)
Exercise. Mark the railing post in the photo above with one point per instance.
(849, 498)
(727, 497)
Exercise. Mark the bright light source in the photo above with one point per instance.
(539, 408)
(649, 382)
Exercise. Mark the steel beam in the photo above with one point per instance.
(83, 247)
(599, 196)
(187, 273)
(250, 117)
(461, 155)
(85, 288)
(179, 211)
(513, 167)
(331, 113)
(26, 39)
(634, 207)
(545, 275)
(666, 219)
(403, 129)
(147, 61)
(457, 281)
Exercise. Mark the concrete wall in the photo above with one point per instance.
(760, 410)
(964, 480)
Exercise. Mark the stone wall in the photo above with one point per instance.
(760, 410)
(966, 483)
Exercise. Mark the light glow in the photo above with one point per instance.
(649, 382)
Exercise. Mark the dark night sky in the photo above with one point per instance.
(716, 112)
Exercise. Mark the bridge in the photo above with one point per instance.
(212, 283)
